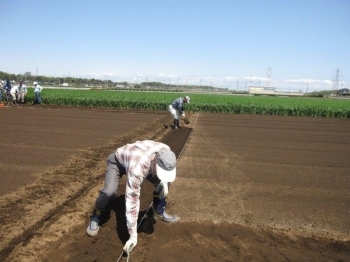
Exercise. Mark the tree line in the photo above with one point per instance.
(29, 78)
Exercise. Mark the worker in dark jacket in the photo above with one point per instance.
(7, 91)
(176, 109)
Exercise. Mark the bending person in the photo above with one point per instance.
(176, 109)
(137, 160)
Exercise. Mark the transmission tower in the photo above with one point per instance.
(269, 74)
(336, 80)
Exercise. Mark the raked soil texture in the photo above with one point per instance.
(248, 187)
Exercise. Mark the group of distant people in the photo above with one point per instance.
(16, 94)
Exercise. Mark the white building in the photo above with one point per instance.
(271, 91)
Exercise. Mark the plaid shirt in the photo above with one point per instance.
(137, 160)
(178, 104)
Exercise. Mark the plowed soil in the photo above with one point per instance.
(249, 188)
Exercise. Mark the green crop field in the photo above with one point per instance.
(215, 103)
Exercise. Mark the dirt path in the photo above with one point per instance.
(249, 188)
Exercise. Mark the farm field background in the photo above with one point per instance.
(211, 103)
(249, 187)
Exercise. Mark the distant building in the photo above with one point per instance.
(343, 92)
(262, 90)
(271, 91)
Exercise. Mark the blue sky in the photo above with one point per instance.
(289, 44)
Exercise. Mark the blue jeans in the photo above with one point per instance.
(37, 98)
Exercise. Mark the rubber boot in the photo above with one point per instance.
(159, 212)
(94, 224)
(175, 123)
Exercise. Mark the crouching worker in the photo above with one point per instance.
(137, 161)
(176, 108)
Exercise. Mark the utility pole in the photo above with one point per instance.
(269, 72)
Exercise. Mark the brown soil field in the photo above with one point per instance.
(248, 188)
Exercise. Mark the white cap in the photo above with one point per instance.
(188, 99)
(35, 83)
(166, 165)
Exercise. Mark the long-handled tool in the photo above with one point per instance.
(137, 227)
(185, 119)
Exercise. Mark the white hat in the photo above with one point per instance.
(166, 165)
(35, 83)
(188, 99)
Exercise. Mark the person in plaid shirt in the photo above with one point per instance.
(137, 160)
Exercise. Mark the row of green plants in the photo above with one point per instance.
(284, 106)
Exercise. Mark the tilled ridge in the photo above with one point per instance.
(60, 190)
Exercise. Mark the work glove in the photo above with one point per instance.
(130, 244)
(183, 115)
